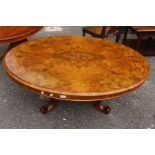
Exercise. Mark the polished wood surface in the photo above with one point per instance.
(10, 34)
(76, 68)
(143, 28)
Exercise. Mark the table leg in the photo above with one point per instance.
(102, 108)
(125, 35)
(49, 107)
(83, 32)
(118, 36)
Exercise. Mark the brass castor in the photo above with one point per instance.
(49, 107)
(102, 108)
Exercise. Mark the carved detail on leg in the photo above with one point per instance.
(49, 107)
(102, 108)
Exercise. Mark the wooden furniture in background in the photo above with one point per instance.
(16, 35)
(142, 32)
(76, 68)
(102, 31)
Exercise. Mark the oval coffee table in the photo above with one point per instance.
(16, 35)
(76, 68)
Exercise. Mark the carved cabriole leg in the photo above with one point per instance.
(49, 107)
(102, 108)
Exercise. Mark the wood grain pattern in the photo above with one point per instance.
(10, 34)
(76, 68)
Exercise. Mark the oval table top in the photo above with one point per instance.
(76, 68)
(10, 34)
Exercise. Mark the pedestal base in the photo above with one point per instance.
(54, 103)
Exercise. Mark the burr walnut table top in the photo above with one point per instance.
(76, 67)
(10, 34)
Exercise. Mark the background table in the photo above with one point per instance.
(16, 35)
(76, 68)
(144, 41)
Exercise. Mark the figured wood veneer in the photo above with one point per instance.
(76, 68)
